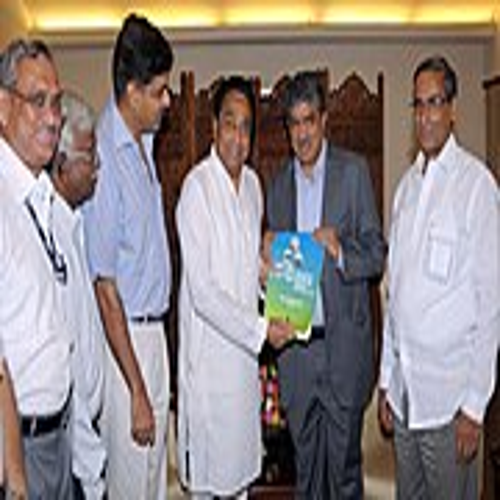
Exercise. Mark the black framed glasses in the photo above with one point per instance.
(433, 102)
(38, 101)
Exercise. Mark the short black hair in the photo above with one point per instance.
(141, 52)
(439, 64)
(306, 87)
(239, 84)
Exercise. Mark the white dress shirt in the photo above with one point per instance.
(36, 339)
(310, 191)
(442, 323)
(82, 315)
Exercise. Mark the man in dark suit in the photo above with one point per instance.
(326, 382)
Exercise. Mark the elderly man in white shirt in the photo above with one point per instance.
(74, 174)
(442, 322)
(36, 338)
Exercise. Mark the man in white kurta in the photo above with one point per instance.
(220, 332)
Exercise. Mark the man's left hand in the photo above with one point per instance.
(467, 434)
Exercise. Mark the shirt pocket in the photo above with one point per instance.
(440, 253)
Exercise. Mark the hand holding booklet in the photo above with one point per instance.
(293, 282)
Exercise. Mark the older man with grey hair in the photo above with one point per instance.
(74, 174)
(12, 471)
(33, 266)
(75, 166)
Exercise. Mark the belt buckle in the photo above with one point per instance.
(33, 426)
(29, 426)
(145, 319)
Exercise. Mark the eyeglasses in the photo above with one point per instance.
(432, 103)
(39, 101)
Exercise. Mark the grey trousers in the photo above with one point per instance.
(427, 468)
(48, 465)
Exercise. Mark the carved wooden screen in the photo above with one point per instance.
(355, 121)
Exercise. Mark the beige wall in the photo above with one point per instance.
(13, 21)
(87, 68)
(496, 45)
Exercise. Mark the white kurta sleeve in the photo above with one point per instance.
(217, 305)
(484, 222)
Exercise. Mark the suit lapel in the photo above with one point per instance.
(290, 198)
(332, 193)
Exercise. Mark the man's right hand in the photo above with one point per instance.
(265, 258)
(143, 422)
(385, 415)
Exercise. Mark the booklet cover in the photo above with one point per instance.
(292, 283)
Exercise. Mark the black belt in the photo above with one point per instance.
(148, 318)
(36, 425)
(317, 333)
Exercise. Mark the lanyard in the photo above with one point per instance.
(56, 259)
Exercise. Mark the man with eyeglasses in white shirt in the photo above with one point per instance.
(442, 319)
(36, 339)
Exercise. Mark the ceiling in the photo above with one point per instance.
(89, 15)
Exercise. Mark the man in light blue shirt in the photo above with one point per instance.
(130, 264)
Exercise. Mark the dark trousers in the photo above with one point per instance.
(328, 454)
(78, 493)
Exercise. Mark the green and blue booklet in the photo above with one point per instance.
(293, 281)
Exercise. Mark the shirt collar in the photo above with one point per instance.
(222, 172)
(318, 170)
(121, 134)
(444, 160)
(18, 176)
(123, 138)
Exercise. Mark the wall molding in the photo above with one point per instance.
(367, 33)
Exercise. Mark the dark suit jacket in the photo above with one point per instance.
(341, 367)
